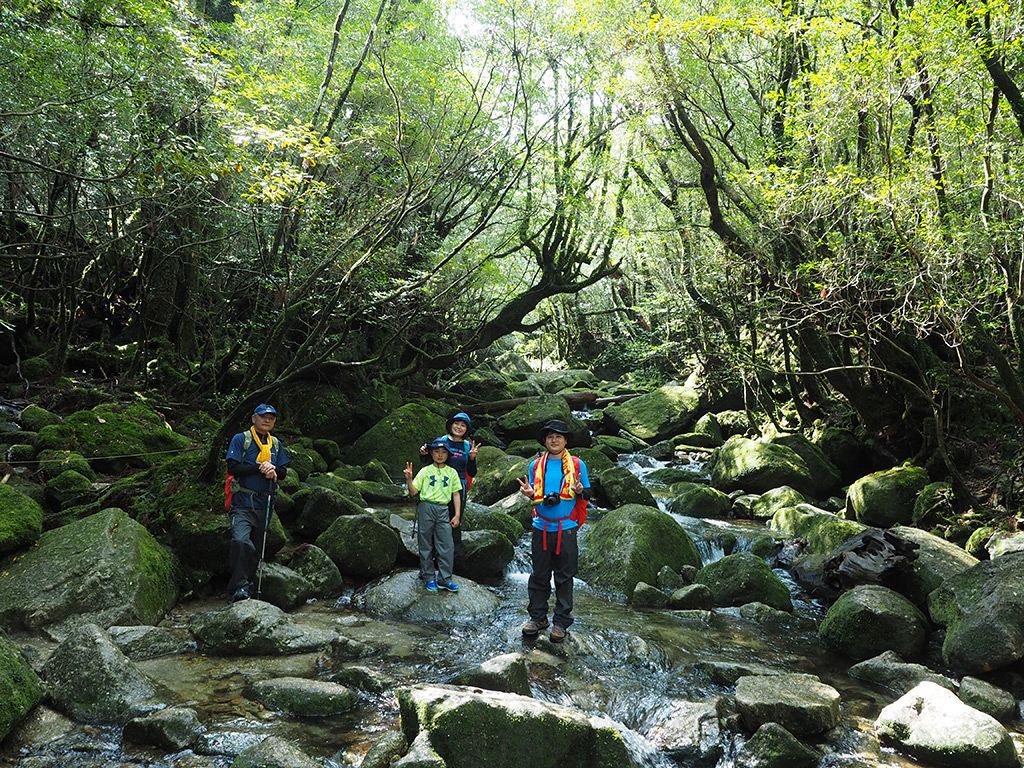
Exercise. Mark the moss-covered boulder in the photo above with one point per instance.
(318, 569)
(33, 418)
(982, 609)
(317, 410)
(847, 451)
(934, 506)
(303, 697)
(321, 508)
(757, 467)
(889, 670)
(744, 578)
(484, 555)
(483, 385)
(115, 437)
(361, 546)
(936, 561)
(274, 752)
(21, 520)
(631, 544)
(67, 488)
(772, 501)
(402, 595)
(497, 475)
(667, 411)
(396, 439)
(884, 499)
(20, 687)
(470, 728)
(699, 500)
(52, 463)
(871, 619)
(824, 473)
(257, 628)
(477, 517)
(91, 680)
(525, 421)
(801, 704)
(772, 746)
(823, 530)
(619, 487)
(106, 569)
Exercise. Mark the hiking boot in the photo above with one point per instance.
(451, 586)
(240, 594)
(431, 586)
(533, 627)
(558, 634)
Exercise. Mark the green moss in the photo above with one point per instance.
(115, 437)
(21, 520)
(69, 487)
(33, 418)
(54, 462)
(20, 687)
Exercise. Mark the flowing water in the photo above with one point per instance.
(646, 670)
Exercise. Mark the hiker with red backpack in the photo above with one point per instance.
(559, 486)
(256, 462)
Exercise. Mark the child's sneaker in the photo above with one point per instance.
(451, 586)
(431, 586)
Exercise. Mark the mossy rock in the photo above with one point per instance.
(361, 546)
(338, 484)
(496, 476)
(933, 505)
(871, 619)
(884, 499)
(20, 687)
(772, 501)
(396, 439)
(304, 461)
(21, 520)
(329, 450)
(52, 463)
(67, 488)
(525, 421)
(758, 467)
(477, 517)
(699, 500)
(745, 578)
(620, 487)
(21, 453)
(33, 418)
(824, 473)
(673, 475)
(822, 530)
(595, 460)
(36, 368)
(631, 544)
(114, 437)
(315, 410)
(657, 415)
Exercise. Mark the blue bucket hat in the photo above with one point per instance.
(460, 416)
(263, 408)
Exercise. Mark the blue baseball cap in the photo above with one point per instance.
(263, 408)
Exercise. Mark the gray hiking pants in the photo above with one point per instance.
(435, 536)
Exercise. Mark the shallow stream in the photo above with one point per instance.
(646, 670)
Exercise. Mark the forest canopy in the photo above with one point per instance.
(815, 204)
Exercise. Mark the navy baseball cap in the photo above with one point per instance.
(263, 408)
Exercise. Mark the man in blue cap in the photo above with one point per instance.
(257, 462)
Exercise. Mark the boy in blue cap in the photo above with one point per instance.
(436, 484)
(257, 462)
(461, 458)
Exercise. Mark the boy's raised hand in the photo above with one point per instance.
(408, 472)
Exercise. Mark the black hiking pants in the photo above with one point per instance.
(547, 566)
(247, 524)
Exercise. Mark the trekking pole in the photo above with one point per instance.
(263, 552)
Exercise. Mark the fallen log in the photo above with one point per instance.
(572, 398)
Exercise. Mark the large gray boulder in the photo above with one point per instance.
(172, 729)
(890, 671)
(744, 578)
(870, 619)
(988, 698)
(468, 728)
(21, 520)
(934, 726)
(20, 687)
(396, 438)
(303, 697)
(667, 411)
(505, 673)
(91, 680)
(484, 555)
(404, 595)
(757, 467)
(361, 546)
(316, 566)
(937, 560)
(982, 609)
(884, 499)
(631, 544)
(689, 733)
(104, 569)
(801, 704)
(320, 508)
(275, 752)
(281, 586)
(477, 517)
(825, 474)
(256, 628)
